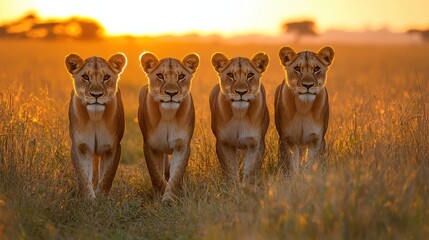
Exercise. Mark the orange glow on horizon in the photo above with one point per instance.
(226, 17)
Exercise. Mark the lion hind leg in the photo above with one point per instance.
(95, 170)
(284, 156)
(166, 167)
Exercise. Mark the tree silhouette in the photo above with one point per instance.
(30, 26)
(3, 31)
(300, 29)
(424, 34)
(90, 30)
(83, 29)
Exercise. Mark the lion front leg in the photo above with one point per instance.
(108, 166)
(179, 162)
(315, 152)
(289, 157)
(228, 159)
(253, 162)
(153, 161)
(83, 165)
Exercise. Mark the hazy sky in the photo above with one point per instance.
(227, 16)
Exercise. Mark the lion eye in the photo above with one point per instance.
(85, 77)
(230, 76)
(250, 75)
(316, 69)
(181, 77)
(106, 78)
(297, 69)
(160, 76)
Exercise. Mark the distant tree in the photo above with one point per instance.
(424, 34)
(300, 29)
(90, 30)
(3, 31)
(42, 30)
(31, 17)
(18, 27)
(30, 26)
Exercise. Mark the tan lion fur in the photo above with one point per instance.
(96, 118)
(167, 118)
(301, 106)
(239, 114)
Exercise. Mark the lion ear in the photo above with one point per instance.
(286, 54)
(261, 61)
(118, 61)
(73, 63)
(219, 62)
(148, 61)
(191, 62)
(326, 54)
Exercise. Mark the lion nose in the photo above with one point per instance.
(171, 93)
(241, 92)
(96, 94)
(308, 85)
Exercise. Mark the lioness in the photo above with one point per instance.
(239, 114)
(301, 106)
(167, 118)
(96, 117)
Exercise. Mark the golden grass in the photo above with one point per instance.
(373, 184)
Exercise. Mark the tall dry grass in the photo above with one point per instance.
(373, 183)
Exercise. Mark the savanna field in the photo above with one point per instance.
(373, 183)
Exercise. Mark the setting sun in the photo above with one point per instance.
(224, 16)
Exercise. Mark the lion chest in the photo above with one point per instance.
(303, 130)
(167, 136)
(238, 130)
(95, 138)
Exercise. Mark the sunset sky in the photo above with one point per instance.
(227, 17)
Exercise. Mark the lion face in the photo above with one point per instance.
(95, 80)
(240, 77)
(306, 71)
(169, 79)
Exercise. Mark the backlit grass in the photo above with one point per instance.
(373, 183)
